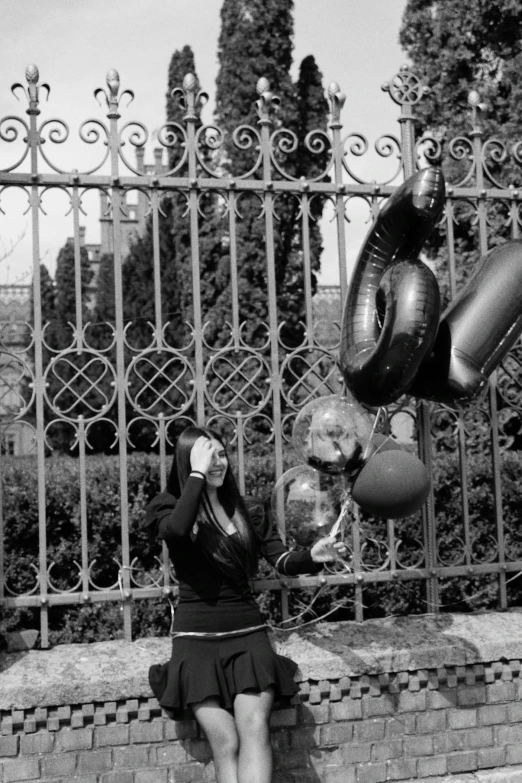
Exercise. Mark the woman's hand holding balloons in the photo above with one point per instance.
(327, 549)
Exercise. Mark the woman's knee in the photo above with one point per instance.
(220, 730)
(225, 743)
(253, 723)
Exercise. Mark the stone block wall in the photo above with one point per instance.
(403, 724)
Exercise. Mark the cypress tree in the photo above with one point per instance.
(457, 46)
(256, 41)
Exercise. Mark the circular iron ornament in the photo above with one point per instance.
(309, 373)
(13, 404)
(238, 381)
(79, 384)
(160, 383)
(406, 89)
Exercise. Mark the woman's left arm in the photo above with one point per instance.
(291, 562)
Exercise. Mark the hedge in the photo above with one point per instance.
(99, 621)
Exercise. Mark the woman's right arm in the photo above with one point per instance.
(178, 521)
(171, 518)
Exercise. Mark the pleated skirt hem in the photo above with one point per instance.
(222, 668)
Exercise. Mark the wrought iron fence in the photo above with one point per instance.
(249, 388)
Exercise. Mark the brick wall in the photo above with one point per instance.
(401, 725)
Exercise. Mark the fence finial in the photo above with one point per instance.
(32, 76)
(112, 99)
(267, 102)
(405, 88)
(336, 99)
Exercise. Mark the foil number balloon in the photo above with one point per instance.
(477, 330)
(391, 340)
(392, 309)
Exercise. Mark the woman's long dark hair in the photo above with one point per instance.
(235, 556)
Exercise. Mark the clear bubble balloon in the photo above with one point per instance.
(306, 504)
(331, 434)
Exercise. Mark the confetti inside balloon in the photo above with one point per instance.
(331, 434)
(306, 504)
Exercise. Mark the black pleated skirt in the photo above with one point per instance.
(220, 667)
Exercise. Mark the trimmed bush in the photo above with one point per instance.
(99, 621)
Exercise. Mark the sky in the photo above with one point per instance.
(75, 42)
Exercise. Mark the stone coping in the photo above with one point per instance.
(117, 670)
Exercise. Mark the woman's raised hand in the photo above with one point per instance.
(327, 549)
(201, 455)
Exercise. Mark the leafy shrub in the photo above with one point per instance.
(99, 621)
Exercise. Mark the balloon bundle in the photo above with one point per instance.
(345, 459)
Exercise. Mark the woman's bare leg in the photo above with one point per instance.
(252, 713)
(220, 729)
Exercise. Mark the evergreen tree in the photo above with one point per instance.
(457, 46)
(256, 41)
(65, 301)
(174, 241)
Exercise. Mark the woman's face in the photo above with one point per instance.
(218, 466)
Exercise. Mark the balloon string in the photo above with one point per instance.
(376, 422)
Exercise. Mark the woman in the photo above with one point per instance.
(222, 663)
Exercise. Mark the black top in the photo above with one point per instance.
(208, 600)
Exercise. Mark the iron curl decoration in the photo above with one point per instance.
(245, 137)
(31, 591)
(137, 138)
(419, 563)
(261, 328)
(318, 142)
(248, 197)
(385, 146)
(10, 134)
(456, 551)
(208, 343)
(516, 152)
(497, 151)
(460, 148)
(169, 135)
(357, 146)
(286, 198)
(283, 142)
(58, 134)
(89, 133)
(139, 349)
(64, 590)
(428, 148)
(509, 382)
(280, 330)
(212, 138)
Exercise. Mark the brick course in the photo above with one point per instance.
(398, 726)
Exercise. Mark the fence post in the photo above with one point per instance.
(406, 90)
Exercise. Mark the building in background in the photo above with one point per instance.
(16, 437)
